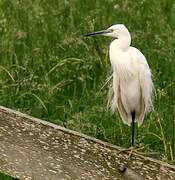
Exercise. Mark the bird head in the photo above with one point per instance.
(115, 31)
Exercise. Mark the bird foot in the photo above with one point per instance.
(132, 150)
(135, 150)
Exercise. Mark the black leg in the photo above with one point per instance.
(133, 129)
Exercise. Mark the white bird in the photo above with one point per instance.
(132, 88)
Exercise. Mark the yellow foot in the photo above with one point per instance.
(135, 150)
(132, 150)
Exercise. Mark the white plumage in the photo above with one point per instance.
(131, 90)
(132, 87)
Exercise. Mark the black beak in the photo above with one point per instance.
(97, 33)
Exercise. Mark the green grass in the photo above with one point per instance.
(48, 70)
(6, 177)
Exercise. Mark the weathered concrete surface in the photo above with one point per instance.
(33, 149)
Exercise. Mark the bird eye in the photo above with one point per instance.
(110, 30)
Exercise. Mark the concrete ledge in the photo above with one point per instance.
(33, 149)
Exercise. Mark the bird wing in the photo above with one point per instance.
(146, 85)
(115, 100)
(121, 75)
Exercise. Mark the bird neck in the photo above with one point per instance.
(122, 42)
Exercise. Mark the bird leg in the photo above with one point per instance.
(132, 149)
(133, 129)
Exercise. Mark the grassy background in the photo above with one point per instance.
(49, 71)
(6, 177)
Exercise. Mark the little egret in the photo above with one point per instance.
(132, 88)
